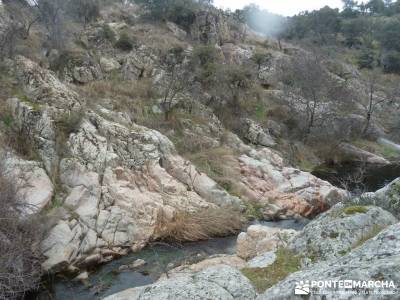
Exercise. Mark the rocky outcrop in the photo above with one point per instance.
(219, 282)
(118, 190)
(388, 198)
(260, 239)
(353, 153)
(47, 100)
(43, 87)
(237, 54)
(120, 182)
(211, 27)
(255, 134)
(378, 259)
(138, 63)
(108, 65)
(337, 231)
(283, 192)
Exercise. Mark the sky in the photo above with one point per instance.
(282, 7)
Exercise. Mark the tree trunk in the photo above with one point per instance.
(367, 124)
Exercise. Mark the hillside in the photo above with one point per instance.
(129, 123)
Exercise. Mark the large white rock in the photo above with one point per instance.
(260, 239)
(387, 197)
(59, 246)
(377, 259)
(109, 64)
(218, 283)
(336, 232)
(33, 185)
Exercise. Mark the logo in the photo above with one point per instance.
(348, 287)
(302, 288)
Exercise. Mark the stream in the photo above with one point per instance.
(107, 279)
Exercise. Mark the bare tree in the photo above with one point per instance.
(18, 18)
(372, 102)
(20, 269)
(230, 87)
(84, 10)
(51, 15)
(176, 80)
(22, 13)
(311, 91)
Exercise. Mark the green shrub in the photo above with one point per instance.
(181, 12)
(69, 123)
(260, 58)
(253, 211)
(391, 62)
(205, 62)
(333, 235)
(124, 43)
(357, 209)
(108, 33)
(366, 58)
(286, 262)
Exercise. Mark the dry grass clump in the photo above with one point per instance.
(156, 37)
(134, 97)
(140, 89)
(200, 225)
(219, 164)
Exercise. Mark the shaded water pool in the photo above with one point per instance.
(371, 179)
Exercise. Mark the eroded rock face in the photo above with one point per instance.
(49, 99)
(138, 63)
(219, 282)
(43, 87)
(337, 231)
(260, 239)
(377, 259)
(118, 191)
(211, 27)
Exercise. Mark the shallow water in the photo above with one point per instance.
(160, 257)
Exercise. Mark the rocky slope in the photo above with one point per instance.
(377, 259)
(119, 179)
(111, 171)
